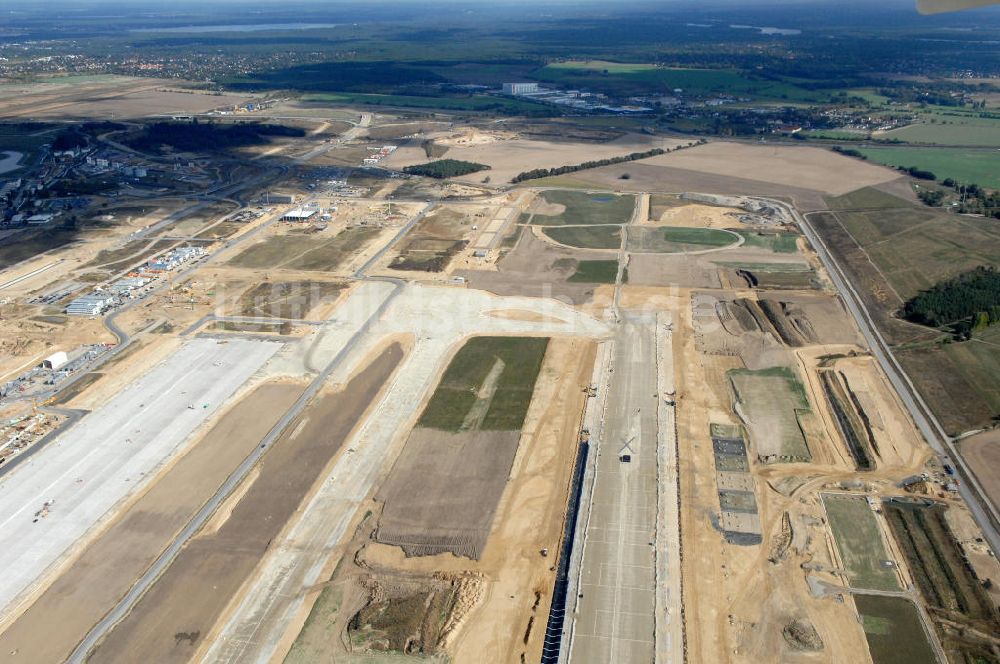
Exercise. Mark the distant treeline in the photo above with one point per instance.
(562, 170)
(445, 168)
(969, 302)
(198, 137)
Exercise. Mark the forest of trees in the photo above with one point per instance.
(969, 302)
(200, 137)
(445, 168)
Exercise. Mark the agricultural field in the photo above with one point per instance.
(981, 167)
(954, 128)
(893, 629)
(915, 247)
(444, 489)
(770, 402)
(859, 542)
(595, 272)
(893, 250)
(677, 240)
(587, 237)
(576, 208)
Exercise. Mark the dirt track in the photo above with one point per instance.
(168, 622)
(108, 567)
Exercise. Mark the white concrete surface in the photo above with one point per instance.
(110, 454)
(440, 318)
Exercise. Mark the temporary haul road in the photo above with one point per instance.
(77, 480)
(439, 318)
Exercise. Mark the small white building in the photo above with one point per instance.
(56, 360)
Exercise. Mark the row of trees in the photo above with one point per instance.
(966, 303)
(537, 173)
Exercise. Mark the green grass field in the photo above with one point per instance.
(675, 239)
(893, 630)
(859, 542)
(960, 129)
(587, 237)
(771, 401)
(582, 208)
(978, 166)
(462, 387)
(595, 272)
(780, 243)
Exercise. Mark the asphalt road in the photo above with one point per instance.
(983, 510)
(615, 615)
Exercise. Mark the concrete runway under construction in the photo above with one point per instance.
(77, 481)
(615, 615)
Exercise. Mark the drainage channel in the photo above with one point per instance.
(557, 612)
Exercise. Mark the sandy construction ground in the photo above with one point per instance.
(695, 215)
(507, 158)
(105, 570)
(111, 454)
(106, 96)
(438, 318)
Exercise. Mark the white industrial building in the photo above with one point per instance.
(299, 214)
(90, 305)
(128, 284)
(56, 360)
(520, 88)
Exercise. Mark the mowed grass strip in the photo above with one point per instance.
(779, 243)
(458, 389)
(587, 237)
(859, 541)
(583, 208)
(595, 272)
(893, 630)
